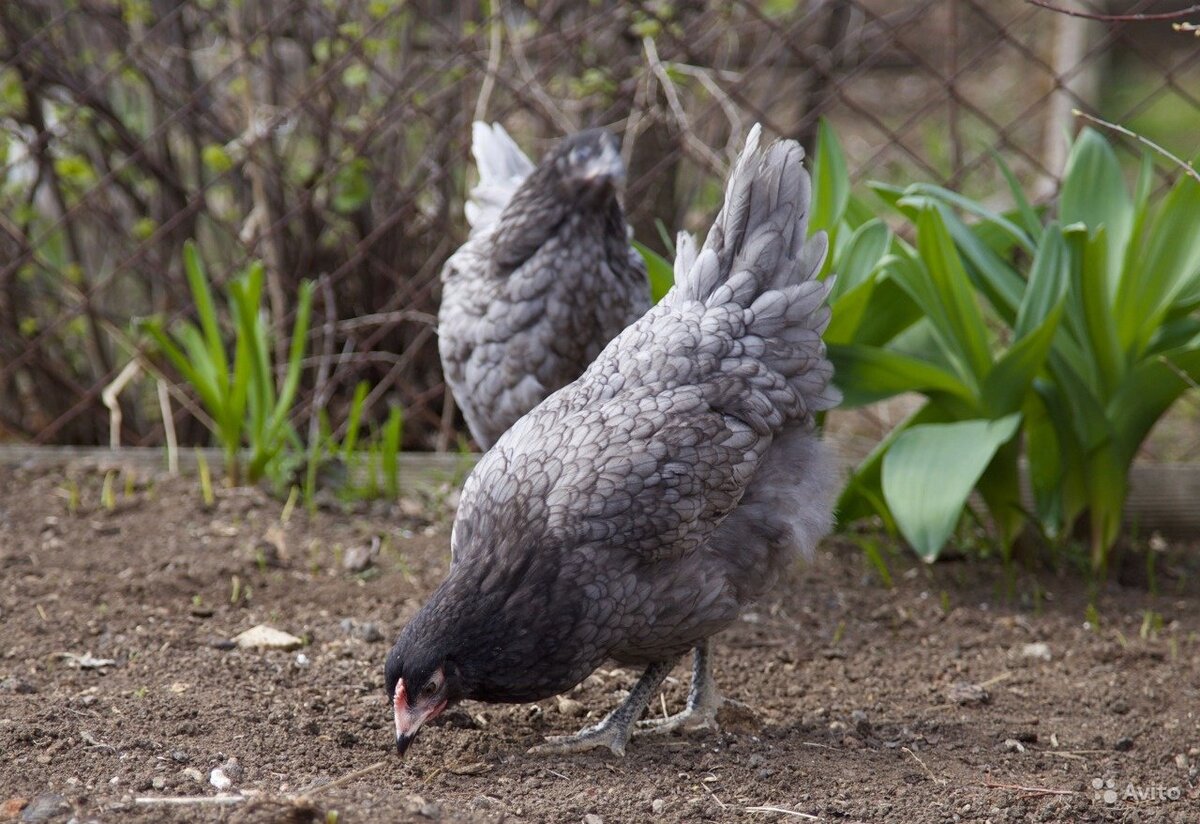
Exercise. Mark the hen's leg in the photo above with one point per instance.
(613, 732)
(703, 700)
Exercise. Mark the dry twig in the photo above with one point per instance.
(345, 779)
(1188, 168)
(925, 767)
(1033, 790)
(1117, 18)
(782, 811)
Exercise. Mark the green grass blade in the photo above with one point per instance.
(202, 295)
(354, 419)
(299, 343)
(659, 270)
(393, 434)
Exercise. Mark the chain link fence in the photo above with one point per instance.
(331, 141)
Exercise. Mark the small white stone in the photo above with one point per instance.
(265, 637)
(1039, 650)
(658, 805)
(219, 779)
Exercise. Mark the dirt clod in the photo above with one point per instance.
(45, 808)
(968, 694)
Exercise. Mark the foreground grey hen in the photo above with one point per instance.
(546, 279)
(634, 513)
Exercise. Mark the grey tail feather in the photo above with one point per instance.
(757, 256)
(502, 167)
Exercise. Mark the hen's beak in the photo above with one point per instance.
(404, 741)
(606, 166)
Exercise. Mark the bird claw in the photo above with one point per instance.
(692, 718)
(591, 738)
(696, 717)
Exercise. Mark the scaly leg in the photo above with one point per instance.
(613, 732)
(702, 704)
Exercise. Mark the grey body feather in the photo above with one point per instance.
(546, 279)
(634, 512)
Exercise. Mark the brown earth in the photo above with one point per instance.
(919, 703)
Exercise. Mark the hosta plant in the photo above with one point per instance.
(1061, 338)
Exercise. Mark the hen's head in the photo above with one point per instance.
(420, 685)
(587, 162)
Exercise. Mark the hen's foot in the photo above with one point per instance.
(604, 734)
(614, 731)
(704, 706)
(706, 716)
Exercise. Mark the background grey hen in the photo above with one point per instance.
(546, 279)
(634, 513)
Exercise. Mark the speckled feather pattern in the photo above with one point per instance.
(535, 294)
(634, 512)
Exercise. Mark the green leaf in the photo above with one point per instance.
(1107, 484)
(355, 76)
(1168, 265)
(296, 349)
(929, 472)
(206, 310)
(917, 191)
(1030, 221)
(1148, 392)
(351, 187)
(1000, 488)
(1046, 465)
(1094, 193)
(867, 374)
(990, 273)
(214, 156)
(1103, 339)
(658, 269)
(1049, 278)
(863, 494)
(354, 419)
(393, 432)
(947, 296)
(831, 182)
(862, 255)
(1005, 387)
(871, 314)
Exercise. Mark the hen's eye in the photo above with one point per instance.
(429, 689)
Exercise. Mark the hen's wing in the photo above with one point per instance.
(502, 168)
(653, 446)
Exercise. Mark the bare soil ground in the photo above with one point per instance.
(959, 694)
